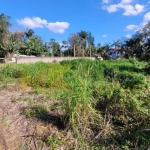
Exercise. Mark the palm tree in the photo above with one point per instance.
(65, 46)
(107, 46)
(116, 44)
(90, 40)
(51, 45)
(29, 33)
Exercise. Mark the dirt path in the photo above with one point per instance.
(13, 125)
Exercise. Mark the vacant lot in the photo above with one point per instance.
(78, 104)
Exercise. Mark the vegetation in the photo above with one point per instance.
(79, 44)
(98, 104)
(104, 104)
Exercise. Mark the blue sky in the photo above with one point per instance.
(107, 20)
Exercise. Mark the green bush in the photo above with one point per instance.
(11, 70)
(108, 100)
(131, 79)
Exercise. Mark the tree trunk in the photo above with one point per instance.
(82, 52)
(9, 55)
(90, 50)
(74, 52)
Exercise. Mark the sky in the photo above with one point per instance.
(107, 20)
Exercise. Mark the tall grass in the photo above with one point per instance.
(78, 101)
(107, 103)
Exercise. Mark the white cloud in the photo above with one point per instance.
(104, 36)
(133, 11)
(128, 36)
(126, 1)
(146, 18)
(105, 1)
(129, 9)
(36, 22)
(58, 27)
(112, 8)
(131, 27)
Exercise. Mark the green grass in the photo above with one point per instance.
(104, 103)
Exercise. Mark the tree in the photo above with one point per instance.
(147, 50)
(83, 40)
(90, 40)
(4, 34)
(107, 46)
(134, 47)
(145, 41)
(4, 25)
(9, 46)
(55, 47)
(65, 47)
(29, 33)
(116, 44)
(34, 46)
(101, 50)
(74, 42)
(18, 38)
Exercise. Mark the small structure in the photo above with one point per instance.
(2, 57)
(114, 53)
(16, 56)
(13, 60)
(98, 57)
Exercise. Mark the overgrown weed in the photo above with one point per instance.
(105, 104)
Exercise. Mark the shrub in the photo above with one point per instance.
(131, 79)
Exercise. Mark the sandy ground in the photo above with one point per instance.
(16, 131)
(13, 125)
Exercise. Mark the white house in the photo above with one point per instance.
(114, 53)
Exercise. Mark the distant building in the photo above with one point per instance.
(114, 53)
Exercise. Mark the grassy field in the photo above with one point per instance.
(100, 104)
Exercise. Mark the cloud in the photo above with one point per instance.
(58, 27)
(104, 36)
(126, 1)
(105, 1)
(146, 18)
(131, 27)
(126, 5)
(133, 11)
(128, 36)
(36, 22)
(111, 8)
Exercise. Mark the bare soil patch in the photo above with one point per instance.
(16, 131)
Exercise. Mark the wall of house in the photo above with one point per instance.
(114, 54)
(20, 60)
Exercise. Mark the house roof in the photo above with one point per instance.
(115, 49)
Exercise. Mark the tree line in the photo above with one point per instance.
(80, 44)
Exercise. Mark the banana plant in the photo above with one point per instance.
(30, 46)
(34, 46)
(8, 47)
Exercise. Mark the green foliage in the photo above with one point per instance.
(105, 103)
(11, 70)
(36, 111)
(116, 88)
(78, 102)
(131, 79)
